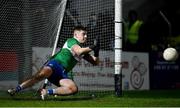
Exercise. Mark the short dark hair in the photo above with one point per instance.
(79, 27)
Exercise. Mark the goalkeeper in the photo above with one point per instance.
(57, 68)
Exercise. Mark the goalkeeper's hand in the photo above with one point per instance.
(96, 52)
(95, 47)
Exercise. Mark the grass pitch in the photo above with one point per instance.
(152, 98)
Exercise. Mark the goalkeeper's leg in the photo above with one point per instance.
(42, 74)
(67, 87)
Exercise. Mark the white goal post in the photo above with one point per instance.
(118, 47)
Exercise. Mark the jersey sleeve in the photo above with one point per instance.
(72, 42)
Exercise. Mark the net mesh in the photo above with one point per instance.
(98, 17)
(26, 27)
(28, 30)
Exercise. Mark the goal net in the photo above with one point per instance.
(29, 29)
(98, 17)
(28, 32)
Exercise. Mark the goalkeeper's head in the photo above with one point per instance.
(80, 33)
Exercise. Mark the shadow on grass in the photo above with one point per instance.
(25, 97)
(28, 96)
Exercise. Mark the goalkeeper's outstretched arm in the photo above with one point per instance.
(91, 59)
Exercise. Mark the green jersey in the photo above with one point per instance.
(66, 56)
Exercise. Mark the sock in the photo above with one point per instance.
(18, 88)
(51, 91)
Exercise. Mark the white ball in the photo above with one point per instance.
(170, 54)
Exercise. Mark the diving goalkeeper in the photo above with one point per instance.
(57, 68)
